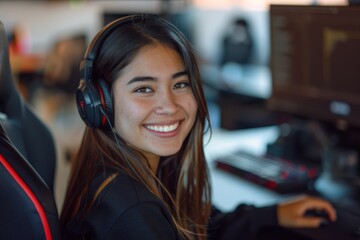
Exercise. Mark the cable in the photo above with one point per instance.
(111, 127)
(118, 143)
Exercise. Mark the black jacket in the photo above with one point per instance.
(126, 209)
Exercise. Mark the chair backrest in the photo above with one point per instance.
(25, 130)
(27, 206)
(27, 164)
(237, 43)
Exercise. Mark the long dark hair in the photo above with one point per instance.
(182, 180)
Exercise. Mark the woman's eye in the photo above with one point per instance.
(143, 90)
(182, 85)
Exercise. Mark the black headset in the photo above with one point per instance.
(93, 96)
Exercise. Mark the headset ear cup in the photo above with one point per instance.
(88, 102)
(106, 102)
(93, 96)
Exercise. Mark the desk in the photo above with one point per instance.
(229, 190)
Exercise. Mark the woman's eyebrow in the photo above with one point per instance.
(179, 74)
(141, 79)
(148, 78)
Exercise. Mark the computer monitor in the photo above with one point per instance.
(315, 65)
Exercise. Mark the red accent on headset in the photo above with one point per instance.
(82, 105)
(30, 194)
(103, 119)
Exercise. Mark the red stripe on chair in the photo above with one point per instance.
(30, 194)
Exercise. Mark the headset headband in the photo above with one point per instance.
(95, 45)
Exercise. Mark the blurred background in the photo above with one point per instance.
(48, 39)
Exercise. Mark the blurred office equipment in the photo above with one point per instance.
(238, 81)
(315, 55)
(237, 43)
(274, 173)
(28, 133)
(240, 93)
(315, 58)
(230, 190)
(354, 2)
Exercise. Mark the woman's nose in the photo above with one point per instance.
(166, 103)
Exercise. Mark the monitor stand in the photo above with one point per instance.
(335, 152)
(300, 141)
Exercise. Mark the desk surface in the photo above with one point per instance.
(229, 190)
(246, 80)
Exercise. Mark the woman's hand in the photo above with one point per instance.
(292, 213)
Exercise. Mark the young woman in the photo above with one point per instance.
(141, 171)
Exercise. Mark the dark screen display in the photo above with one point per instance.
(315, 62)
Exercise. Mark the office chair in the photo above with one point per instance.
(27, 164)
(25, 130)
(237, 45)
(27, 207)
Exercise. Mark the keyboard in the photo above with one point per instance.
(277, 174)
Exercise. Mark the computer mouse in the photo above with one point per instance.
(319, 213)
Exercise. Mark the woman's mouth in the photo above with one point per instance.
(162, 128)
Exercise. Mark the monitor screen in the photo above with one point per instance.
(315, 62)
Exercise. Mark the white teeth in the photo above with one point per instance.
(163, 128)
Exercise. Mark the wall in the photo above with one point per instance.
(46, 22)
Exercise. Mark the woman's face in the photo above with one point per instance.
(154, 105)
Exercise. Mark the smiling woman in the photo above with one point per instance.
(146, 116)
(141, 171)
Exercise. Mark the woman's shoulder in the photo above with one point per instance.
(120, 192)
(124, 202)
